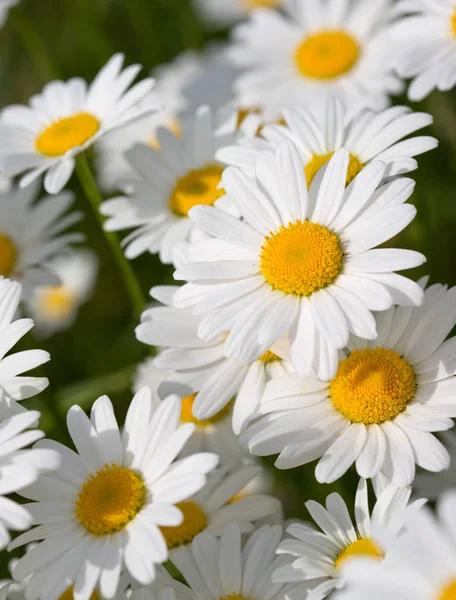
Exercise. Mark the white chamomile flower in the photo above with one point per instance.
(168, 92)
(65, 119)
(14, 385)
(101, 511)
(200, 368)
(319, 556)
(299, 262)
(381, 407)
(55, 307)
(316, 49)
(321, 129)
(5, 6)
(432, 485)
(224, 13)
(32, 233)
(169, 181)
(20, 467)
(425, 45)
(421, 563)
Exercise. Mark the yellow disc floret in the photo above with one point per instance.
(67, 133)
(269, 357)
(186, 415)
(196, 187)
(68, 594)
(327, 55)
(233, 596)
(195, 521)
(8, 255)
(55, 303)
(372, 386)
(453, 24)
(110, 499)
(449, 591)
(317, 161)
(362, 547)
(253, 4)
(301, 258)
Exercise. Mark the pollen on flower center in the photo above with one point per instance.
(449, 591)
(110, 499)
(68, 595)
(186, 415)
(269, 357)
(453, 24)
(8, 255)
(301, 258)
(198, 186)
(362, 547)
(317, 161)
(327, 54)
(56, 302)
(372, 386)
(67, 133)
(195, 521)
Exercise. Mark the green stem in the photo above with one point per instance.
(126, 271)
(174, 572)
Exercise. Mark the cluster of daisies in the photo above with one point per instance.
(271, 173)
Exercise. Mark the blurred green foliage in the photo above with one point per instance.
(62, 38)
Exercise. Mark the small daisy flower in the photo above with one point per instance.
(32, 233)
(20, 467)
(168, 91)
(421, 562)
(315, 50)
(55, 307)
(5, 6)
(169, 181)
(65, 119)
(14, 385)
(319, 556)
(424, 42)
(199, 370)
(101, 511)
(299, 261)
(320, 130)
(223, 13)
(381, 407)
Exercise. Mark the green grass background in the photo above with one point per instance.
(49, 39)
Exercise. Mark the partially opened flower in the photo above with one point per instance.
(101, 511)
(65, 119)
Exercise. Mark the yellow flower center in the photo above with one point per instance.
(301, 258)
(67, 133)
(362, 547)
(269, 357)
(8, 256)
(186, 415)
(55, 302)
(372, 386)
(317, 161)
(233, 596)
(174, 126)
(327, 54)
(448, 592)
(195, 521)
(110, 500)
(252, 4)
(68, 595)
(453, 24)
(196, 187)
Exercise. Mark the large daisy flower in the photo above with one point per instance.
(103, 508)
(299, 261)
(320, 556)
(199, 370)
(223, 13)
(425, 45)
(14, 385)
(381, 407)
(65, 119)
(317, 49)
(321, 129)
(20, 467)
(32, 233)
(170, 180)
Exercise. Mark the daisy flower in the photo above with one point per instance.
(14, 385)
(299, 261)
(32, 233)
(55, 307)
(319, 556)
(199, 370)
(101, 511)
(424, 42)
(168, 91)
(320, 48)
(20, 467)
(223, 13)
(5, 6)
(169, 181)
(421, 563)
(65, 119)
(381, 407)
(321, 129)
